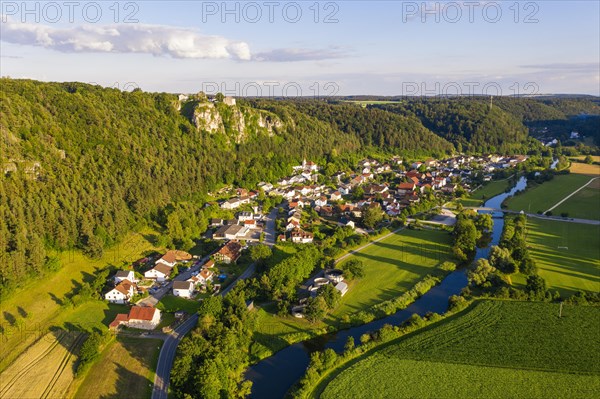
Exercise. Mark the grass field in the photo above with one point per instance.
(37, 305)
(491, 189)
(44, 370)
(583, 205)
(496, 349)
(548, 194)
(392, 266)
(487, 191)
(171, 303)
(125, 370)
(567, 255)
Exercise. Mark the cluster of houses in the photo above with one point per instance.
(125, 282)
(187, 288)
(393, 186)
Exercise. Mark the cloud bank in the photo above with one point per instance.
(157, 40)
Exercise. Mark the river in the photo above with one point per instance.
(273, 377)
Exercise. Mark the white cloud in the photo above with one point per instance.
(158, 40)
(300, 54)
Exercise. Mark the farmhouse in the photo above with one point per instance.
(122, 293)
(243, 216)
(205, 276)
(143, 317)
(335, 196)
(184, 289)
(228, 253)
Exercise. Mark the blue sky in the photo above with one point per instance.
(375, 47)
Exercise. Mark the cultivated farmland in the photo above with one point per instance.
(497, 349)
(45, 370)
(580, 167)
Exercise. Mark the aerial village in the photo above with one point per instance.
(307, 202)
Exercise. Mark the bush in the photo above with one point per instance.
(448, 266)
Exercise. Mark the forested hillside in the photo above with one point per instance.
(83, 165)
(469, 123)
(378, 128)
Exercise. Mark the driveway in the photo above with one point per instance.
(270, 226)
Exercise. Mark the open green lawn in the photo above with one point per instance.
(392, 266)
(125, 369)
(496, 349)
(38, 303)
(583, 205)
(171, 303)
(274, 332)
(485, 192)
(548, 194)
(491, 189)
(91, 315)
(567, 254)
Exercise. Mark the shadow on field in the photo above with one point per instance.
(128, 384)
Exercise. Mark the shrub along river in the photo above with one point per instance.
(274, 376)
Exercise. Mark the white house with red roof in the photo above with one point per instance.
(122, 292)
(143, 317)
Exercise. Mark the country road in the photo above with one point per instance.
(535, 215)
(169, 348)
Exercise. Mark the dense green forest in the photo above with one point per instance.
(473, 124)
(470, 124)
(83, 165)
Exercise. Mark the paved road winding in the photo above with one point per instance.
(169, 348)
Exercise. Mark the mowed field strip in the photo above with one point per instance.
(45, 370)
(496, 349)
